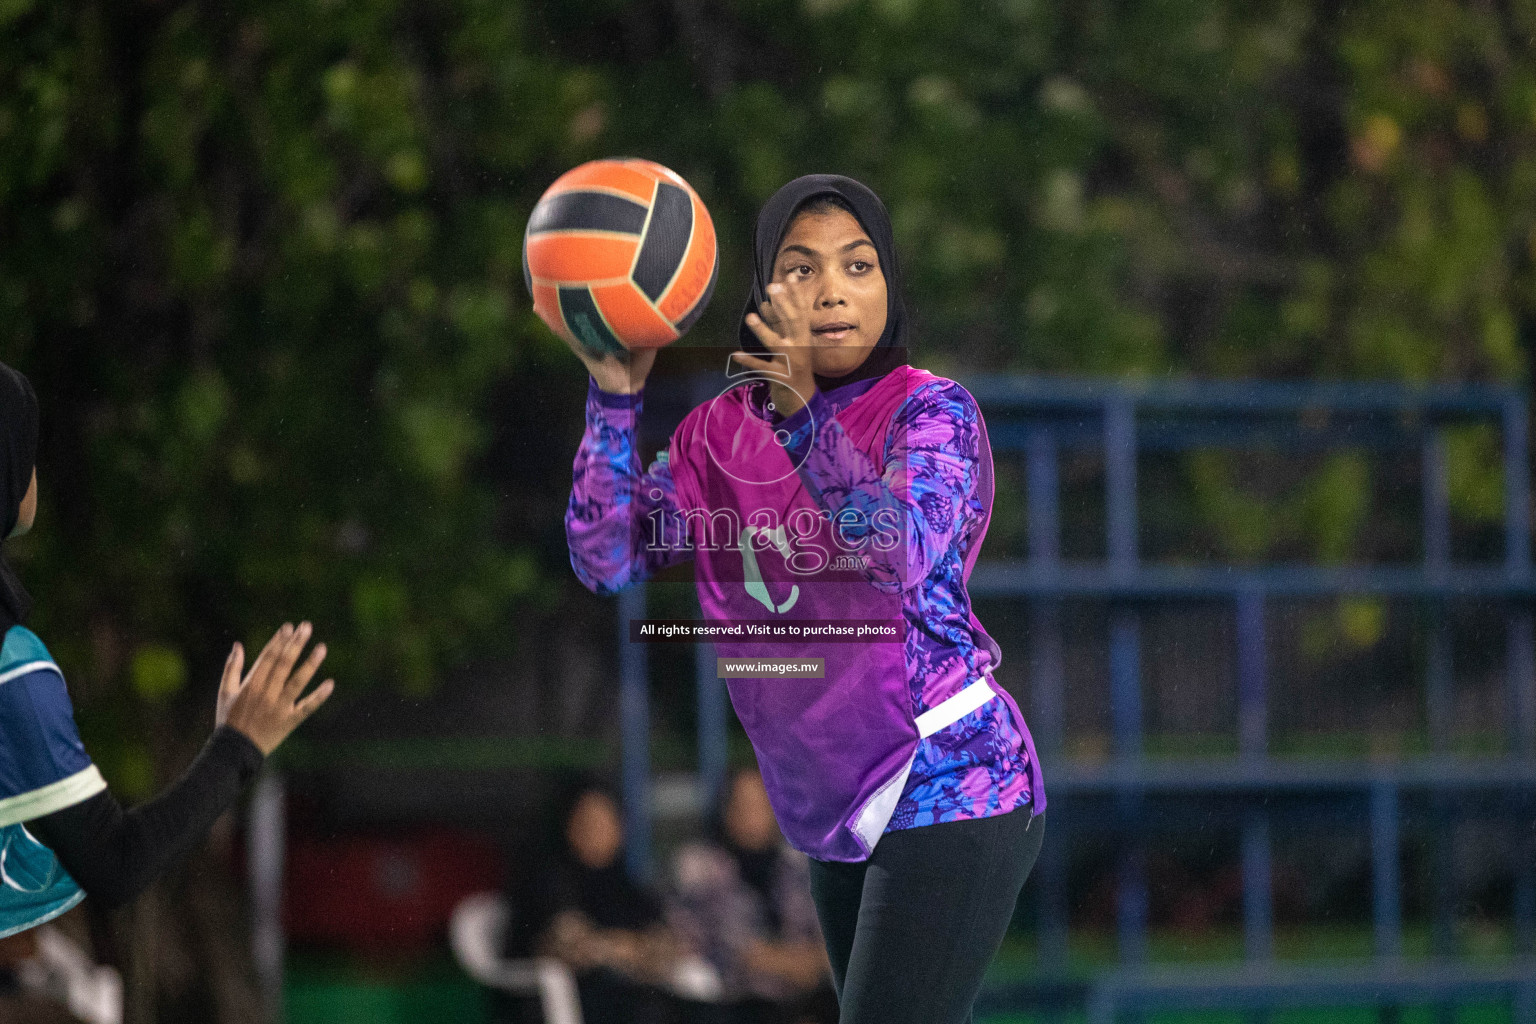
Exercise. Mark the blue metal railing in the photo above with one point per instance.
(1037, 419)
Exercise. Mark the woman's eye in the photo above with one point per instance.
(859, 266)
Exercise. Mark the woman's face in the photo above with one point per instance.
(827, 256)
(595, 832)
(28, 514)
(749, 817)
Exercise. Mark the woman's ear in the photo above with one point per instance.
(28, 512)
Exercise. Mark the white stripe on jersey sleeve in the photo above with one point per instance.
(28, 669)
(55, 796)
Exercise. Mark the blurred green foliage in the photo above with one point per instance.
(263, 259)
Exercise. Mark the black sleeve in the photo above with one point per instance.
(114, 854)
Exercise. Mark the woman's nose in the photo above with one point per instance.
(831, 295)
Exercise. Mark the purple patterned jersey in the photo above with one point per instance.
(979, 765)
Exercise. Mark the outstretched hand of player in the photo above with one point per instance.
(618, 374)
(269, 703)
(783, 325)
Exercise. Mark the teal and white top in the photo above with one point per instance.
(43, 768)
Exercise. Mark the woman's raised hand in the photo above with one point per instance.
(783, 325)
(620, 374)
(269, 702)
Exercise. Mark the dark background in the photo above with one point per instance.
(262, 261)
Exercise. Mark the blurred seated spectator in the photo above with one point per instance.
(743, 899)
(582, 908)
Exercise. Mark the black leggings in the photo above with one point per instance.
(912, 930)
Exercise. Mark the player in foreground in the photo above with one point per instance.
(62, 833)
(841, 483)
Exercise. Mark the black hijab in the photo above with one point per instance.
(606, 895)
(18, 456)
(773, 224)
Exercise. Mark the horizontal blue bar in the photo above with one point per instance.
(1021, 578)
(1188, 776)
(1248, 397)
(1276, 986)
(1012, 434)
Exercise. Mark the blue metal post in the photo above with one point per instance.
(1258, 907)
(1517, 488)
(1252, 676)
(1047, 686)
(635, 735)
(1520, 669)
(713, 728)
(1047, 724)
(1125, 622)
(1131, 908)
(1520, 659)
(1439, 691)
(1120, 510)
(1043, 481)
(1386, 884)
(1047, 674)
(1520, 666)
(1437, 505)
(1439, 680)
(1523, 850)
(1444, 891)
(1125, 684)
(1253, 729)
(1439, 688)
(1120, 482)
(1047, 678)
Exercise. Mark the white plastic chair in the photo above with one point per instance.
(476, 931)
(65, 972)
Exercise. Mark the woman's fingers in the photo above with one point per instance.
(288, 655)
(261, 668)
(305, 673)
(788, 304)
(274, 670)
(306, 707)
(234, 665)
(770, 338)
(770, 315)
(272, 702)
(776, 317)
(623, 371)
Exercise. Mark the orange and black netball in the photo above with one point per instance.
(620, 254)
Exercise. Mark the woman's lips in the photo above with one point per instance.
(835, 331)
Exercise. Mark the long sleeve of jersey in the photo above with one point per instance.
(114, 854)
(924, 497)
(615, 521)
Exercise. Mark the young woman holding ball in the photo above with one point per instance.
(841, 483)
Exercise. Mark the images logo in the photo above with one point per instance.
(748, 453)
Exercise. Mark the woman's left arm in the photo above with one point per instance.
(114, 855)
(902, 518)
